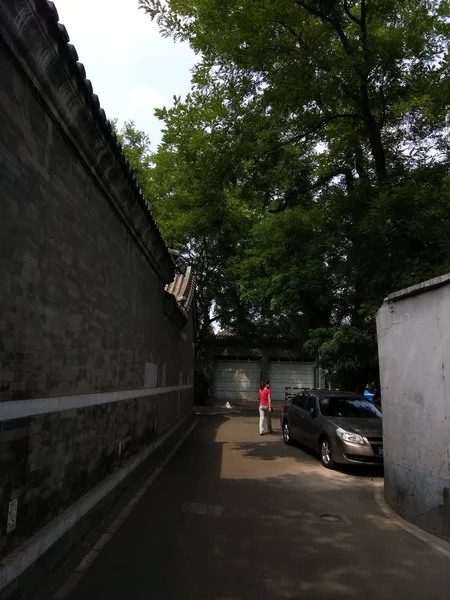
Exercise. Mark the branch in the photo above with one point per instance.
(321, 181)
(383, 106)
(346, 171)
(359, 162)
(281, 49)
(322, 65)
(349, 13)
(312, 130)
(294, 34)
(344, 40)
(364, 42)
(219, 316)
(351, 94)
(314, 11)
(334, 21)
(325, 121)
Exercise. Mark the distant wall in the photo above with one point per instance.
(84, 317)
(267, 351)
(414, 349)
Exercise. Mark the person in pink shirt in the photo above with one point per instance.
(265, 408)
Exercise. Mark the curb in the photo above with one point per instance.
(430, 539)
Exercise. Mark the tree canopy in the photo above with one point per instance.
(305, 176)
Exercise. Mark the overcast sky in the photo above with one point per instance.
(131, 67)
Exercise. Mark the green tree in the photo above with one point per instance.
(136, 147)
(197, 211)
(316, 131)
(322, 70)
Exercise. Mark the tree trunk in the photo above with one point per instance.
(374, 135)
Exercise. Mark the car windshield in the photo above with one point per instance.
(348, 407)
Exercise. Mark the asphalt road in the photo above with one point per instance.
(236, 516)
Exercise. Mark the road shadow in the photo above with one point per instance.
(215, 528)
(272, 447)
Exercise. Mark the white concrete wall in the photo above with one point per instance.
(413, 329)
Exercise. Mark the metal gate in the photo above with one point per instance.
(236, 380)
(295, 374)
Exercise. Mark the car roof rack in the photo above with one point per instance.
(290, 387)
(291, 394)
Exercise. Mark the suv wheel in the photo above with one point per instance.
(287, 434)
(326, 455)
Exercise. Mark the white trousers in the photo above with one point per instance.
(265, 421)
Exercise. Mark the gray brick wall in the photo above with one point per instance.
(79, 301)
(81, 311)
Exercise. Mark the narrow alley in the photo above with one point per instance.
(237, 517)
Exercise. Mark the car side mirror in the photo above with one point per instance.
(312, 412)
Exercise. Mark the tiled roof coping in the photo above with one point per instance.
(183, 288)
(40, 48)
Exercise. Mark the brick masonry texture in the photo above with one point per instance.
(81, 311)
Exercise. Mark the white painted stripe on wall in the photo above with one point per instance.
(25, 555)
(17, 409)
